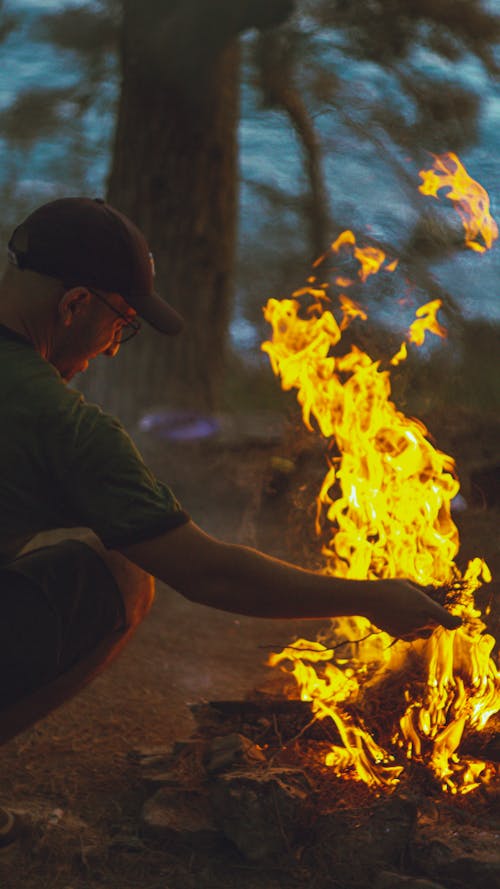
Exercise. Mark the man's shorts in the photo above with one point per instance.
(56, 604)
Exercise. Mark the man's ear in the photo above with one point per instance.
(72, 303)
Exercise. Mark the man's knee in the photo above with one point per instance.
(137, 588)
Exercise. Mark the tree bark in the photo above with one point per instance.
(278, 81)
(174, 172)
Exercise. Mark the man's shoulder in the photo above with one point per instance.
(29, 383)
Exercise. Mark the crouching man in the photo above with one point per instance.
(78, 279)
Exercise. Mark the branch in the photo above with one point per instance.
(277, 74)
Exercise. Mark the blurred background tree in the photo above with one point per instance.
(383, 81)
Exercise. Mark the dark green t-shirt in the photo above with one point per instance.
(65, 463)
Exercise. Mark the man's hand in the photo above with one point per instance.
(405, 611)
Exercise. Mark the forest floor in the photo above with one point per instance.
(74, 771)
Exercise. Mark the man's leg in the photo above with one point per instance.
(80, 605)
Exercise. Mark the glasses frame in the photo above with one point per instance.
(133, 325)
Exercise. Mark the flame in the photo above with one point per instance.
(383, 510)
(350, 310)
(370, 259)
(470, 198)
(426, 321)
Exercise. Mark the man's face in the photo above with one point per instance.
(90, 327)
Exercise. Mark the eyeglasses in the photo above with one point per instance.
(131, 326)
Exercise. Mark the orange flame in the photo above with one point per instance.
(350, 310)
(370, 259)
(471, 199)
(426, 321)
(384, 507)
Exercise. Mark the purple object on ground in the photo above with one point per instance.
(179, 425)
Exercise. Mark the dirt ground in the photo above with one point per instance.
(73, 771)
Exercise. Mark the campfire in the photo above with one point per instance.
(384, 510)
(349, 795)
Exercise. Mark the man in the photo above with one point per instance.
(79, 277)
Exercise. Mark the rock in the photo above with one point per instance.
(185, 816)
(446, 862)
(194, 747)
(363, 841)
(138, 754)
(232, 750)
(463, 870)
(127, 843)
(391, 828)
(180, 766)
(157, 776)
(473, 872)
(261, 812)
(390, 880)
(158, 770)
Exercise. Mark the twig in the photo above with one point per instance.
(323, 650)
(295, 737)
(277, 731)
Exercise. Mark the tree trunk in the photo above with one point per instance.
(174, 172)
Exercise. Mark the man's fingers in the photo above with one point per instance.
(439, 614)
(447, 620)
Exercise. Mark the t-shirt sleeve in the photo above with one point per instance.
(100, 479)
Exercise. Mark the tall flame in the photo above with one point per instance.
(470, 198)
(383, 510)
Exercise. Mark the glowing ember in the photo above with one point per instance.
(384, 511)
(471, 199)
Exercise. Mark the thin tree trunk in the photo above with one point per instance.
(277, 75)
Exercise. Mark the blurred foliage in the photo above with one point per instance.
(386, 31)
(49, 138)
(9, 21)
(38, 113)
(87, 30)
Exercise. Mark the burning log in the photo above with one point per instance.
(267, 721)
(275, 722)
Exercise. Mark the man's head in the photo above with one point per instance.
(95, 265)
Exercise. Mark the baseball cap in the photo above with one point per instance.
(86, 241)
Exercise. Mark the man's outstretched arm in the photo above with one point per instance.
(244, 581)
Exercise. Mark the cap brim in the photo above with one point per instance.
(160, 314)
